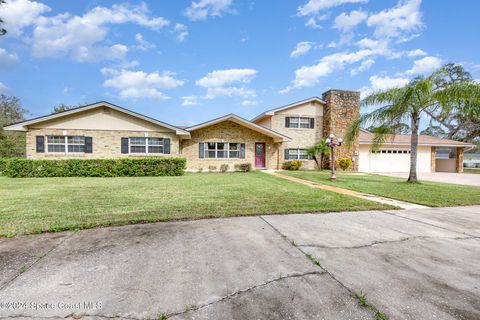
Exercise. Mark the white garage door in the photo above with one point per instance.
(392, 159)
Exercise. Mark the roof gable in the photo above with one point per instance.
(278, 137)
(271, 112)
(98, 117)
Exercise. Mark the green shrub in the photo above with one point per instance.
(292, 165)
(243, 167)
(224, 168)
(3, 164)
(212, 168)
(345, 163)
(125, 167)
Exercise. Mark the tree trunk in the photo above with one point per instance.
(316, 160)
(414, 147)
(321, 161)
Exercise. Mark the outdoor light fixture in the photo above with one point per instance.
(332, 142)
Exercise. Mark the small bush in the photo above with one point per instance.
(125, 167)
(3, 164)
(212, 168)
(224, 168)
(200, 170)
(243, 167)
(292, 165)
(345, 163)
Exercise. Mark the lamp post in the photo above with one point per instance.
(333, 142)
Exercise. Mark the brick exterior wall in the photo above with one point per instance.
(228, 132)
(301, 137)
(106, 144)
(459, 160)
(341, 109)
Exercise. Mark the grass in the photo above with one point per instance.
(362, 301)
(467, 170)
(427, 193)
(35, 205)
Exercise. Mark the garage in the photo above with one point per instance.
(434, 154)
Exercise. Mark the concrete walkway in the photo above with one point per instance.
(469, 179)
(371, 197)
(411, 264)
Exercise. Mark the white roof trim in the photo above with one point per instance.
(245, 123)
(271, 112)
(420, 144)
(22, 126)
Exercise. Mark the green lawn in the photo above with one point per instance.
(466, 170)
(432, 194)
(34, 205)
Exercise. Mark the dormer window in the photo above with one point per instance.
(299, 122)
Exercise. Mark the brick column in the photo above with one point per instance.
(432, 159)
(459, 160)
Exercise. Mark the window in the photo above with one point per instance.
(445, 153)
(222, 150)
(146, 145)
(391, 151)
(56, 143)
(67, 144)
(297, 154)
(299, 122)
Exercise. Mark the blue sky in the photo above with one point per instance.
(185, 62)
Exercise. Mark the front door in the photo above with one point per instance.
(259, 155)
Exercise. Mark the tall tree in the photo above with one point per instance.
(12, 144)
(407, 104)
(460, 121)
(320, 148)
(2, 30)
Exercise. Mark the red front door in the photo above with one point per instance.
(259, 155)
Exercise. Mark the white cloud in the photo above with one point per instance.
(364, 66)
(143, 44)
(346, 22)
(81, 37)
(18, 14)
(379, 83)
(416, 53)
(7, 60)
(308, 76)
(189, 100)
(315, 6)
(425, 65)
(302, 48)
(249, 103)
(139, 84)
(201, 9)
(229, 82)
(181, 31)
(398, 21)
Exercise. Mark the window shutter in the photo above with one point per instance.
(312, 123)
(287, 122)
(88, 145)
(201, 150)
(286, 154)
(124, 145)
(166, 146)
(40, 144)
(242, 151)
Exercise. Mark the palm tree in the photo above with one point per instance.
(320, 148)
(407, 104)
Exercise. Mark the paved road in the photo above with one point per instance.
(412, 264)
(470, 179)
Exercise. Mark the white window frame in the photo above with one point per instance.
(216, 150)
(297, 154)
(147, 145)
(64, 143)
(299, 121)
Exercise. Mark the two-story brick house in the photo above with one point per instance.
(104, 130)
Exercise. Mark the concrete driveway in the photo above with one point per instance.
(470, 179)
(411, 264)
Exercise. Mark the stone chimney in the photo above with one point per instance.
(342, 107)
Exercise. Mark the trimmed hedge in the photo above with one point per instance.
(3, 164)
(125, 167)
